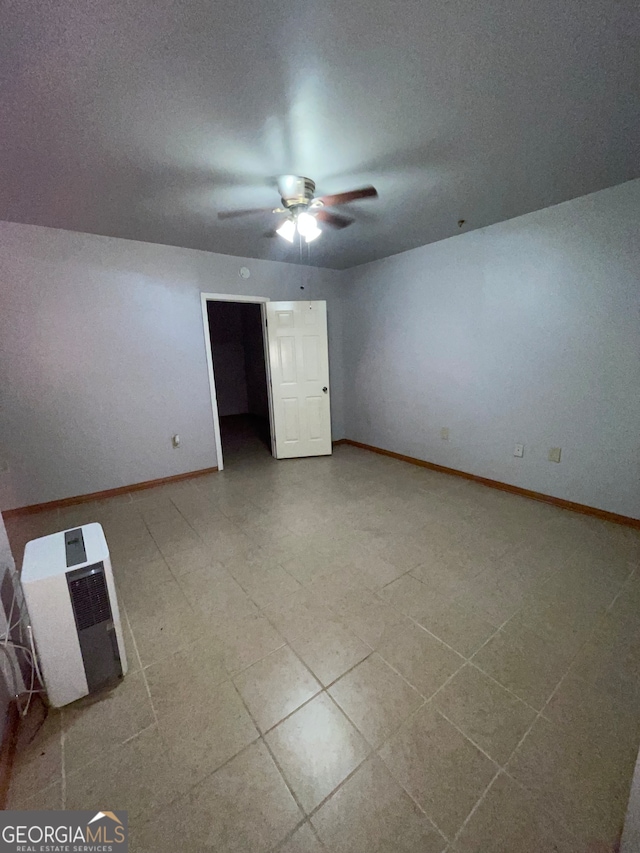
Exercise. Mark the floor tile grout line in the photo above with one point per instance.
(190, 788)
(230, 673)
(436, 637)
(501, 768)
(503, 687)
(261, 607)
(177, 577)
(371, 752)
(395, 729)
(280, 770)
(408, 793)
(195, 530)
(375, 753)
(316, 834)
(555, 816)
(475, 808)
(436, 710)
(133, 639)
(112, 748)
(368, 757)
(539, 714)
(233, 673)
(153, 725)
(321, 689)
(306, 666)
(444, 643)
(627, 581)
(437, 690)
(291, 713)
(453, 675)
(142, 669)
(162, 556)
(263, 739)
(280, 844)
(469, 738)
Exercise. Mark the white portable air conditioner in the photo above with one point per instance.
(71, 598)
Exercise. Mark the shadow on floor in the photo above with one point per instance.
(244, 436)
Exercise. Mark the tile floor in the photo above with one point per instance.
(353, 654)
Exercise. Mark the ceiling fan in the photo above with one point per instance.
(303, 210)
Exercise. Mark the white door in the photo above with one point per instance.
(299, 364)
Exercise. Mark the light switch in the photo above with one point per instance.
(554, 454)
(444, 433)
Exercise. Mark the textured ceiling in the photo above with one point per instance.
(143, 118)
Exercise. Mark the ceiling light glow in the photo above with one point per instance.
(287, 230)
(311, 235)
(306, 224)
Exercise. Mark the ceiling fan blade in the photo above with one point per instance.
(232, 214)
(335, 220)
(352, 195)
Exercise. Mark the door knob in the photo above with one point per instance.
(325, 389)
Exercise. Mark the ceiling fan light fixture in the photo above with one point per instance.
(311, 235)
(306, 224)
(287, 230)
(303, 209)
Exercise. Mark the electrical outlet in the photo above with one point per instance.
(175, 440)
(554, 454)
(518, 450)
(444, 433)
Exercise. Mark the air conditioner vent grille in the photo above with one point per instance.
(89, 597)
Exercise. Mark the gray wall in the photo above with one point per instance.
(102, 357)
(527, 331)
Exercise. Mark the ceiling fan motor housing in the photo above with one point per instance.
(296, 190)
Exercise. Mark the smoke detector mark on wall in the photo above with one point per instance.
(244, 272)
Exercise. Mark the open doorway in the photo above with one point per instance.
(239, 374)
(292, 365)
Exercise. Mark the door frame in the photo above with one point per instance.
(232, 297)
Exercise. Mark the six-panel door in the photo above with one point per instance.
(299, 364)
